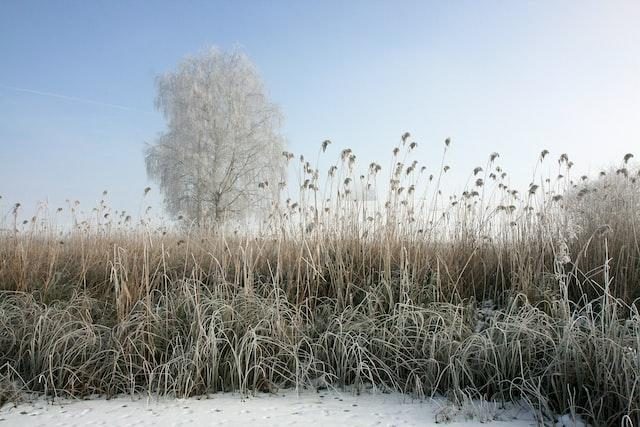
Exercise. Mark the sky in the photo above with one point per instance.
(77, 83)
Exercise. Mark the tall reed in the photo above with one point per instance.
(355, 279)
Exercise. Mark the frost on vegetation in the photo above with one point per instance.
(10, 390)
(321, 382)
(484, 315)
(208, 172)
(562, 254)
(569, 420)
(478, 411)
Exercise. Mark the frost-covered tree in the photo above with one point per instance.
(220, 155)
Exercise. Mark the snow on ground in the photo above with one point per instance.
(326, 408)
(568, 420)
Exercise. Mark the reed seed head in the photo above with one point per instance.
(543, 154)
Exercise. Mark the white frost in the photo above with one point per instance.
(569, 420)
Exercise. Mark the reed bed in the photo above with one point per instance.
(354, 280)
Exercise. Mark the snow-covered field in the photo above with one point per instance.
(326, 408)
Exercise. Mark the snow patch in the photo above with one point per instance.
(284, 408)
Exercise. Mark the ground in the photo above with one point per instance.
(328, 408)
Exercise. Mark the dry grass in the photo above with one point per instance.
(391, 293)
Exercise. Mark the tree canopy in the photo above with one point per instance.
(219, 157)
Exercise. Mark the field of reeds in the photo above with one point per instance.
(359, 278)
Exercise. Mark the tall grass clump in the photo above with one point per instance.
(358, 278)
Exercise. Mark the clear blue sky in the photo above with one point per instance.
(507, 76)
